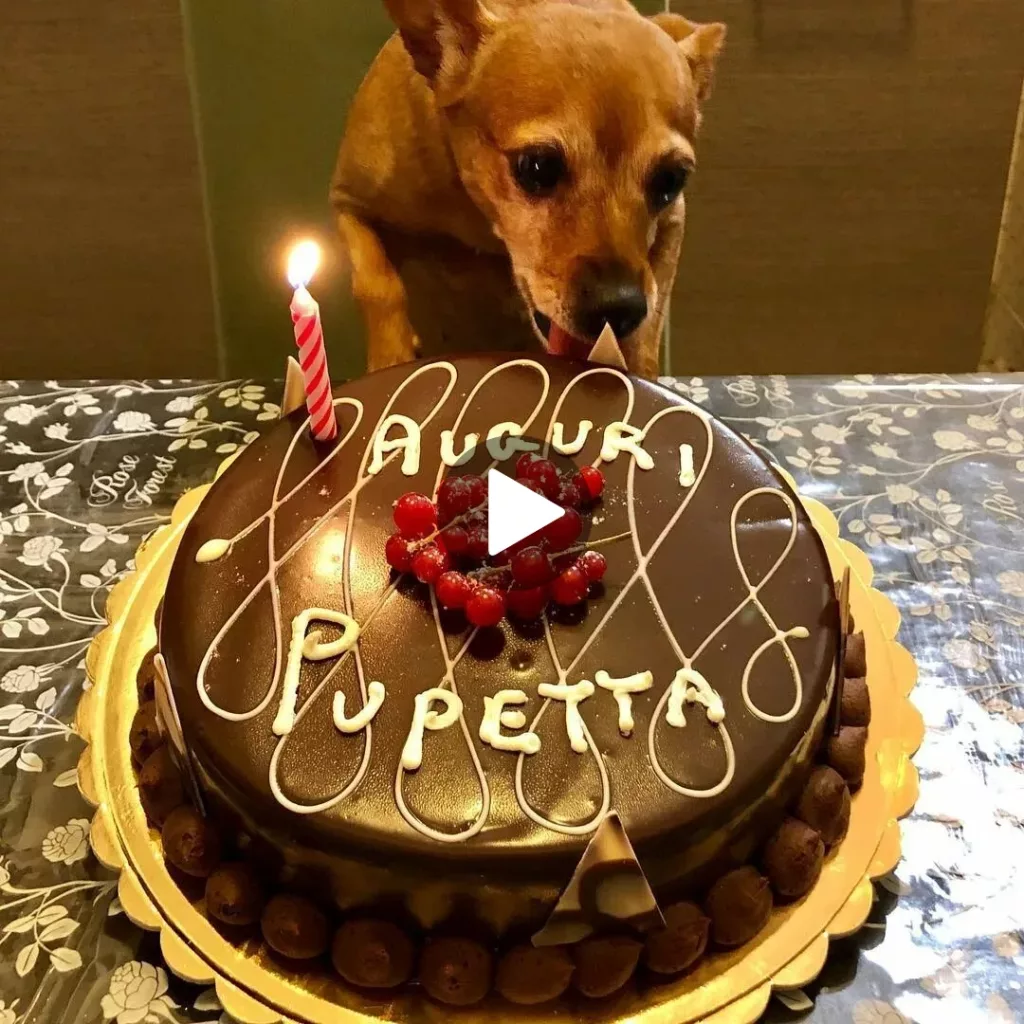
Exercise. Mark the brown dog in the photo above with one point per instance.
(518, 164)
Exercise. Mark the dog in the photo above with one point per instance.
(512, 175)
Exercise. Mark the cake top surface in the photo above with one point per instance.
(717, 586)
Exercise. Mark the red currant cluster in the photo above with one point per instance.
(444, 545)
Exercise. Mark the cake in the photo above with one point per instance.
(565, 794)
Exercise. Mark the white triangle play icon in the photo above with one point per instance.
(514, 512)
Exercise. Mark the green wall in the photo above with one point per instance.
(272, 80)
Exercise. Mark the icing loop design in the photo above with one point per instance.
(504, 726)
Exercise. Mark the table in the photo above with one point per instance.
(925, 472)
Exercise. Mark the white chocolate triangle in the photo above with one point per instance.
(606, 350)
(294, 396)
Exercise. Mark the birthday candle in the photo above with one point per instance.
(309, 336)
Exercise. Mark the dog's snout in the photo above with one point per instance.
(612, 294)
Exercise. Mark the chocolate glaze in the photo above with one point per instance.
(512, 871)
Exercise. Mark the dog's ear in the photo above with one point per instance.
(701, 45)
(441, 36)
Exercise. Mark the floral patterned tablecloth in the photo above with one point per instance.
(925, 472)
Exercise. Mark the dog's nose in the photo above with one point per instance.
(609, 294)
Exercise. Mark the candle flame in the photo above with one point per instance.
(302, 263)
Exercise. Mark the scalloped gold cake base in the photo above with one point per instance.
(726, 989)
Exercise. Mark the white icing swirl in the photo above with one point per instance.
(504, 440)
(213, 550)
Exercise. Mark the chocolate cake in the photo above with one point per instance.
(647, 744)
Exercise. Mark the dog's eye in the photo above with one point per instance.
(539, 170)
(665, 185)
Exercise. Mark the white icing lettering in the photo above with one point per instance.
(564, 447)
(410, 443)
(495, 716)
(425, 718)
(622, 690)
(687, 477)
(213, 550)
(690, 687)
(311, 648)
(621, 437)
(362, 718)
(504, 440)
(573, 697)
(448, 456)
(513, 719)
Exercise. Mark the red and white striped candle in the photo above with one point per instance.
(309, 336)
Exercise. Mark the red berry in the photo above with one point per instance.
(564, 531)
(398, 553)
(415, 516)
(453, 590)
(523, 464)
(594, 565)
(590, 483)
(429, 562)
(455, 539)
(485, 607)
(543, 472)
(570, 587)
(531, 567)
(477, 487)
(532, 485)
(477, 546)
(527, 602)
(454, 496)
(568, 495)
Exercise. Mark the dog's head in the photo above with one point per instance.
(572, 123)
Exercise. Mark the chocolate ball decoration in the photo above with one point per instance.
(160, 788)
(793, 858)
(190, 842)
(234, 895)
(294, 927)
(855, 665)
(856, 706)
(455, 971)
(681, 943)
(845, 753)
(604, 965)
(145, 736)
(825, 804)
(739, 905)
(145, 679)
(528, 975)
(373, 954)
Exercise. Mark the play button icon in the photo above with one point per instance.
(514, 512)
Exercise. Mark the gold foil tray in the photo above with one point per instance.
(726, 989)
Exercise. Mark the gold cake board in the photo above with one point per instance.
(725, 989)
